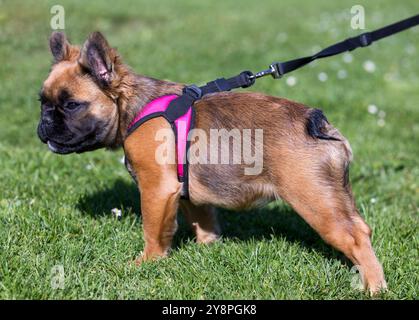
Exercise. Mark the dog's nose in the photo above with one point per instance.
(47, 113)
(47, 108)
(47, 117)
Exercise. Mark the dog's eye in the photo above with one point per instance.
(72, 105)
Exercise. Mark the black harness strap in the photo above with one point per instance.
(179, 106)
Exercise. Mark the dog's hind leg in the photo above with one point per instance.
(319, 190)
(203, 220)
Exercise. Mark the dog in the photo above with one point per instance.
(90, 97)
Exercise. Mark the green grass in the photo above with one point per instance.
(56, 210)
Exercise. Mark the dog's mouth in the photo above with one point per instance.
(54, 146)
(86, 143)
(59, 148)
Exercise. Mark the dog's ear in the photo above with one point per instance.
(98, 58)
(60, 47)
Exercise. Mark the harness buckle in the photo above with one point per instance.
(193, 91)
(248, 79)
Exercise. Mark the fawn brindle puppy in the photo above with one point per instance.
(91, 96)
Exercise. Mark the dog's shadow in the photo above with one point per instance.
(269, 222)
(121, 195)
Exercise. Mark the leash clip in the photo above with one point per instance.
(276, 70)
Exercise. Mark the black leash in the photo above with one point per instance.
(192, 93)
(278, 69)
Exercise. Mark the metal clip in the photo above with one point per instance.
(275, 70)
(278, 70)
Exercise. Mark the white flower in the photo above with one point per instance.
(373, 200)
(381, 122)
(342, 74)
(117, 212)
(382, 114)
(372, 108)
(369, 66)
(291, 81)
(347, 57)
(322, 76)
(89, 166)
(122, 160)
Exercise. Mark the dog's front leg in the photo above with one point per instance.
(158, 210)
(158, 184)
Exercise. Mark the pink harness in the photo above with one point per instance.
(181, 127)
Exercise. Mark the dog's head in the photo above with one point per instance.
(79, 110)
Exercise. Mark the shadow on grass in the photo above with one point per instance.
(264, 223)
(121, 195)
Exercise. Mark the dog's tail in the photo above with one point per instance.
(337, 153)
(318, 126)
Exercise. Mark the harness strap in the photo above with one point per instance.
(179, 106)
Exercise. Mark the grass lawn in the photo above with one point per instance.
(56, 210)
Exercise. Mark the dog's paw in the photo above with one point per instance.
(146, 257)
(138, 262)
(377, 288)
(207, 238)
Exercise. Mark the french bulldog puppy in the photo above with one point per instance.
(90, 97)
